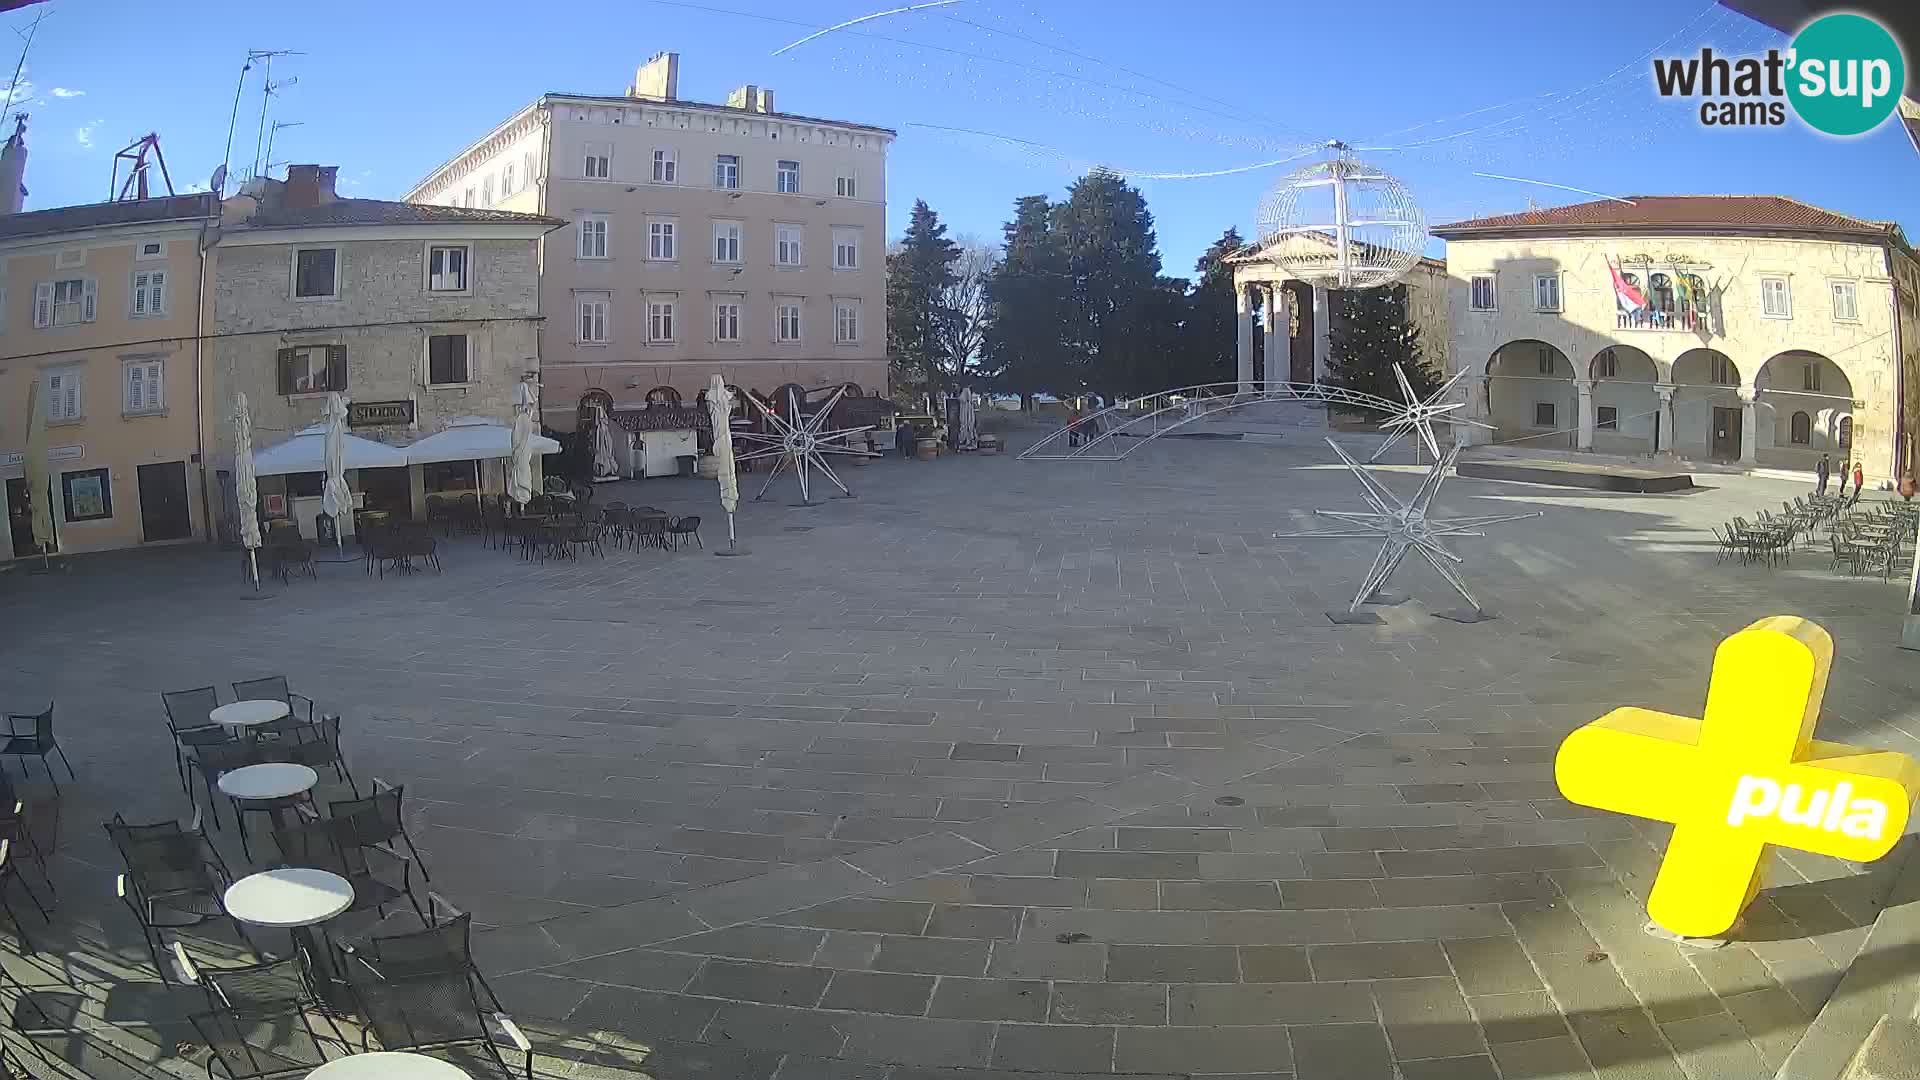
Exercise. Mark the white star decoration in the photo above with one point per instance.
(1419, 416)
(1404, 526)
(800, 445)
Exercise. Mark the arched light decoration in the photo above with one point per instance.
(1342, 224)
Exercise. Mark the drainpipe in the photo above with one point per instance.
(1899, 365)
(199, 400)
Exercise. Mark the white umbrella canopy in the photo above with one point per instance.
(245, 491)
(473, 438)
(335, 499)
(306, 451)
(520, 447)
(39, 478)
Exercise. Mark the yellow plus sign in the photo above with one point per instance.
(1747, 775)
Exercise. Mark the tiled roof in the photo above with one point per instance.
(384, 212)
(100, 215)
(1733, 212)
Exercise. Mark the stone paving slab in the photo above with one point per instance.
(985, 774)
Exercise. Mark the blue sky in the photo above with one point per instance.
(1559, 93)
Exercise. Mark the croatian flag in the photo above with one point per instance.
(1630, 298)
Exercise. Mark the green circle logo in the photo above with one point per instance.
(1846, 74)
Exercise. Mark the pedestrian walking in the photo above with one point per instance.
(903, 438)
(1859, 480)
(1821, 472)
(1073, 426)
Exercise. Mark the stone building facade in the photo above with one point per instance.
(701, 238)
(1772, 332)
(419, 315)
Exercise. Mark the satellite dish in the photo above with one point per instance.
(218, 183)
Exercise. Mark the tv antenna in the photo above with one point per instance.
(273, 131)
(19, 66)
(267, 89)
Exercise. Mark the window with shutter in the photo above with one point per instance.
(150, 292)
(63, 395)
(312, 369)
(145, 386)
(43, 304)
(447, 360)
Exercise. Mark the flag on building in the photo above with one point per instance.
(1626, 293)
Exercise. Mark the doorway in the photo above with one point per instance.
(20, 517)
(1726, 434)
(164, 511)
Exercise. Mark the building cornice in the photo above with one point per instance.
(345, 234)
(460, 165)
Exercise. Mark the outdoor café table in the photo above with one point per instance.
(387, 1066)
(293, 899)
(245, 715)
(265, 783)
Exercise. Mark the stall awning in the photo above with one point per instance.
(472, 438)
(306, 452)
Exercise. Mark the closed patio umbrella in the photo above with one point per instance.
(720, 413)
(39, 478)
(335, 499)
(604, 465)
(966, 435)
(520, 449)
(245, 491)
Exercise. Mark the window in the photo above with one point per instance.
(64, 398)
(660, 320)
(506, 181)
(786, 321)
(1845, 305)
(599, 162)
(846, 187)
(786, 245)
(146, 387)
(447, 360)
(1546, 360)
(1810, 376)
(660, 240)
(1776, 301)
(1607, 418)
(1481, 296)
(152, 249)
(312, 369)
(1802, 429)
(666, 168)
(88, 495)
(149, 293)
(846, 321)
(63, 303)
(1546, 292)
(786, 177)
(447, 268)
(726, 241)
(1607, 366)
(486, 192)
(593, 317)
(1660, 294)
(314, 274)
(1543, 414)
(726, 320)
(846, 249)
(1722, 373)
(1846, 433)
(726, 171)
(593, 237)
(466, 200)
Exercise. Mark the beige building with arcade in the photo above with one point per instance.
(1772, 332)
(701, 238)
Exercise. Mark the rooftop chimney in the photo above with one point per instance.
(308, 186)
(752, 98)
(13, 168)
(658, 78)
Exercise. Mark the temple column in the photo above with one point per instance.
(1585, 440)
(1243, 338)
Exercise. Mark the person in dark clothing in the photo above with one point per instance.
(903, 438)
(1821, 472)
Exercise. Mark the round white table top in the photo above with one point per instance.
(249, 713)
(288, 898)
(387, 1066)
(275, 780)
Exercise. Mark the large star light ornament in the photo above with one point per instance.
(1418, 415)
(801, 445)
(1404, 526)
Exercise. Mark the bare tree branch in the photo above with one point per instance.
(963, 331)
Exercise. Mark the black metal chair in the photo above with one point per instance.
(267, 988)
(274, 688)
(430, 1000)
(9, 873)
(331, 845)
(377, 819)
(174, 879)
(234, 1040)
(17, 825)
(683, 527)
(316, 746)
(36, 742)
(187, 712)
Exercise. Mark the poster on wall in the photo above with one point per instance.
(87, 497)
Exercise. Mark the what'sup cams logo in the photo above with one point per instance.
(1842, 75)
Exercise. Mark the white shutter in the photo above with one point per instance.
(139, 294)
(136, 379)
(43, 303)
(88, 292)
(157, 291)
(156, 396)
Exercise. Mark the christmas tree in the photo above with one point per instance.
(1370, 334)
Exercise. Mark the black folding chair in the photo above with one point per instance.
(187, 713)
(274, 688)
(10, 873)
(316, 746)
(36, 742)
(236, 1041)
(174, 879)
(330, 845)
(432, 1006)
(377, 819)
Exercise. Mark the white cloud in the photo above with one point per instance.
(18, 91)
(63, 92)
(84, 135)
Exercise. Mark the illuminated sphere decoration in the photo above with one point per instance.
(1342, 224)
